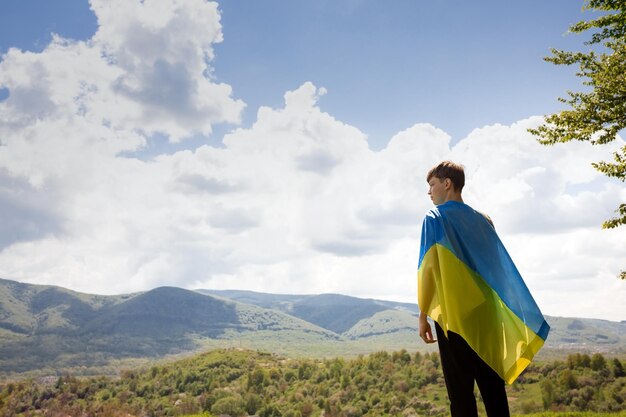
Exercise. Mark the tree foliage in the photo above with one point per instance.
(599, 114)
(246, 383)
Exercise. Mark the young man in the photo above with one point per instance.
(487, 324)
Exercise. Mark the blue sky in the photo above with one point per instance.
(282, 146)
(452, 64)
(388, 65)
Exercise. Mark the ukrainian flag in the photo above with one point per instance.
(468, 284)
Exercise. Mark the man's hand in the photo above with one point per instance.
(426, 332)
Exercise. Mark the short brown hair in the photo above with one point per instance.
(448, 169)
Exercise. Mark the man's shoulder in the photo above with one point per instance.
(459, 212)
(432, 214)
(487, 218)
(452, 208)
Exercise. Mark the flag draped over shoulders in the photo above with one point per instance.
(468, 283)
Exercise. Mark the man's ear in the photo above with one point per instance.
(447, 183)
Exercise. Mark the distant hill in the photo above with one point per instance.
(48, 329)
(383, 323)
(587, 334)
(39, 309)
(335, 312)
(369, 318)
(52, 327)
(165, 312)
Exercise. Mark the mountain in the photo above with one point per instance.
(587, 334)
(335, 312)
(378, 317)
(383, 323)
(165, 312)
(48, 329)
(393, 325)
(46, 326)
(38, 309)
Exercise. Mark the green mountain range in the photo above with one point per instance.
(48, 329)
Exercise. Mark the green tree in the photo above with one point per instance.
(618, 369)
(270, 411)
(253, 403)
(598, 362)
(597, 115)
(257, 379)
(567, 380)
(231, 405)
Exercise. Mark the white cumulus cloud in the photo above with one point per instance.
(297, 202)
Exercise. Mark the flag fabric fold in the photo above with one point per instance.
(468, 283)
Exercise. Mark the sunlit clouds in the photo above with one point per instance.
(297, 202)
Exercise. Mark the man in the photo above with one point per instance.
(488, 326)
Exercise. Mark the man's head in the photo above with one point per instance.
(446, 181)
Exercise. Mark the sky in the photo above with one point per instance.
(282, 146)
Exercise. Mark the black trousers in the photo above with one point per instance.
(461, 367)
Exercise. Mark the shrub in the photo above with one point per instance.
(232, 406)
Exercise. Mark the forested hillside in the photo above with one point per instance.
(47, 330)
(242, 383)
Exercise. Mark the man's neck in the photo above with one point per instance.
(454, 197)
